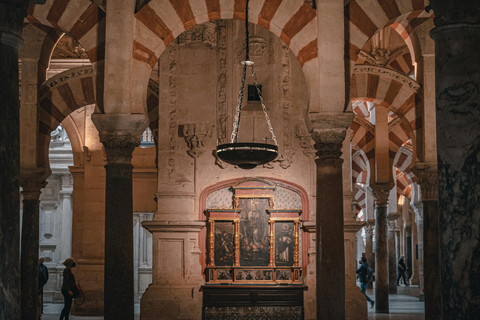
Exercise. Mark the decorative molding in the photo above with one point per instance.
(222, 115)
(172, 110)
(395, 75)
(195, 135)
(381, 56)
(119, 146)
(306, 141)
(203, 33)
(261, 51)
(58, 80)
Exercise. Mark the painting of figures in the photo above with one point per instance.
(284, 243)
(224, 243)
(254, 240)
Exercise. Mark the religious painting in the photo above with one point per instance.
(283, 274)
(284, 243)
(254, 239)
(224, 274)
(224, 243)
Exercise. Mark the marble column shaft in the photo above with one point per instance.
(408, 252)
(30, 248)
(369, 249)
(330, 248)
(119, 277)
(421, 280)
(381, 254)
(10, 41)
(392, 258)
(457, 75)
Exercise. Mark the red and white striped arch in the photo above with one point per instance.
(79, 18)
(366, 17)
(71, 90)
(159, 22)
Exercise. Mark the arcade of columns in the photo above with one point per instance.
(446, 213)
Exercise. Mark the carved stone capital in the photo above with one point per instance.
(428, 182)
(12, 14)
(392, 225)
(119, 146)
(380, 196)
(328, 143)
(454, 11)
(31, 188)
(195, 135)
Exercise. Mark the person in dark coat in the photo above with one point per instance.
(401, 267)
(362, 274)
(42, 280)
(68, 287)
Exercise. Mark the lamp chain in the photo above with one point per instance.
(247, 62)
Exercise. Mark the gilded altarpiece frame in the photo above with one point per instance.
(253, 243)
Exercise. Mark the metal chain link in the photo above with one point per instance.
(270, 128)
(236, 122)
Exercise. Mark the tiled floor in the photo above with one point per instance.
(403, 306)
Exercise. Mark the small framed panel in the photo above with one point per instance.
(283, 275)
(284, 243)
(224, 275)
(224, 243)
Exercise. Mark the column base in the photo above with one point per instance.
(356, 305)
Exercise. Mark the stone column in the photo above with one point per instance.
(30, 247)
(66, 201)
(421, 282)
(457, 78)
(408, 252)
(12, 14)
(381, 255)
(330, 257)
(431, 246)
(392, 257)
(119, 278)
(369, 247)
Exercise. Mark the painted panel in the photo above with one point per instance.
(284, 243)
(254, 240)
(224, 244)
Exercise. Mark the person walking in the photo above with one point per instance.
(69, 288)
(401, 267)
(362, 273)
(42, 280)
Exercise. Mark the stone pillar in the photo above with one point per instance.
(369, 247)
(457, 78)
(30, 247)
(431, 245)
(421, 282)
(381, 255)
(310, 277)
(392, 257)
(119, 292)
(330, 257)
(408, 252)
(12, 14)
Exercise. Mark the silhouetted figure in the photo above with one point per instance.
(69, 288)
(401, 271)
(362, 273)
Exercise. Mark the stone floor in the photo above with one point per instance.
(403, 306)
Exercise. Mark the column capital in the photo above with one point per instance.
(454, 11)
(428, 181)
(408, 231)
(369, 228)
(392, 225)
(119, 146)
(380, 196)
(31, 188)
(328, 142)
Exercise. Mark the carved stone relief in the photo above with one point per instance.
(306, 141)
(261, 51)
(172, 110)
(204, 33)
(195, 135)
